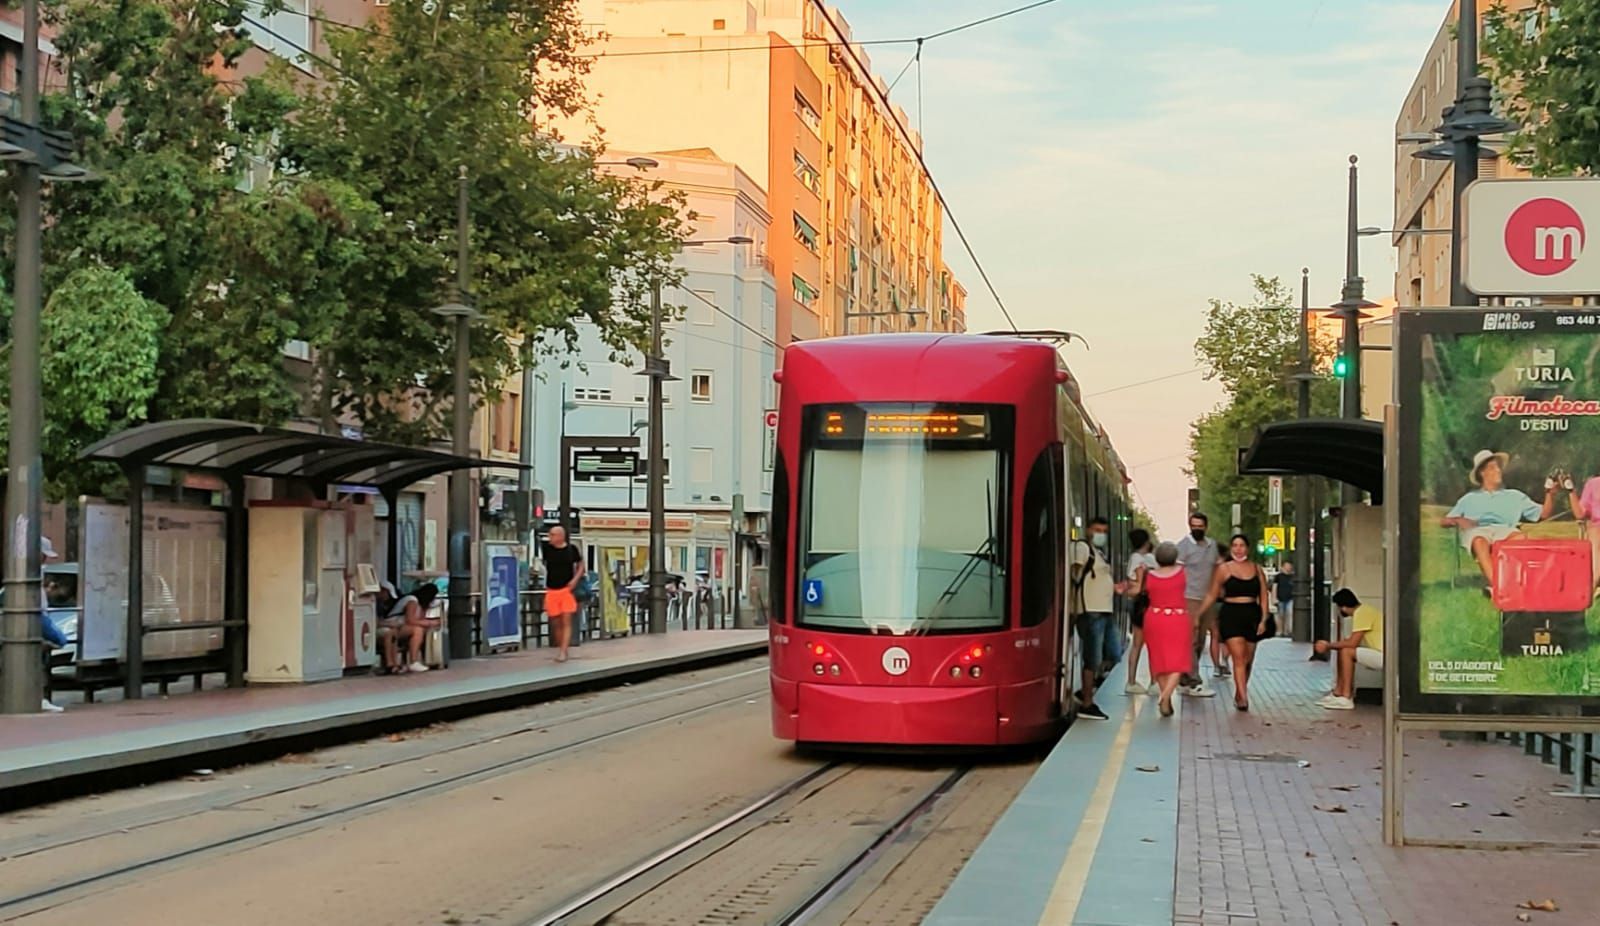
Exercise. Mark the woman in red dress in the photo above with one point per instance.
(1168, 636)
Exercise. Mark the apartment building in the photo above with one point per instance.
(1424, 189)
(856, 240)
(721, 342)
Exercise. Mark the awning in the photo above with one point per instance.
(1345, 449)
(236, 448)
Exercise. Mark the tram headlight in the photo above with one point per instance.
(833, 670)
(818, 668)
(955, 671)
(975, 671)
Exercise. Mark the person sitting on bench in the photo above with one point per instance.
(408, 620)
(1492, 512)
(1363, 647)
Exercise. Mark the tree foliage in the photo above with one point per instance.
(1252, 349)
(318, 203)
(99, 341)
(1546, 62)
(430, 90)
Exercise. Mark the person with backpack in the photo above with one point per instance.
(1094, 601)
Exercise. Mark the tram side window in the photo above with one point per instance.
(1043, 540)
(778, 543)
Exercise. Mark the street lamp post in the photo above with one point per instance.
(1352, 307)
(460, 613)
(1303, 589)
(659, 370)
(39, 154)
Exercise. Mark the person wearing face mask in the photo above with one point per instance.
(1197, 553)
(1246, 616)
(1094, 593)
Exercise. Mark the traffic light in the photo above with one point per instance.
(1341, 366)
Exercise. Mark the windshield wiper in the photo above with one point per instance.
(985, 554)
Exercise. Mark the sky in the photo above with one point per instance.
(1116, 165)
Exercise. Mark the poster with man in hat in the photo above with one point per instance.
(1491, 512)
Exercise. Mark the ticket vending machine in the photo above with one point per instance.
(359, 627)
(299, 596)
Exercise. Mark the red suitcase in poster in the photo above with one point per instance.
(1543, 589)
(1542, 575)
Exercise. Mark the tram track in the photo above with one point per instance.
(14, 849)
(50, 895)
(698, 878)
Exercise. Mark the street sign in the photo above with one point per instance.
(1530, 237)
(1275, 496)
(605, 463)
(1274, 537)
(771, 418)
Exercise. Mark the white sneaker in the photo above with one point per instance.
(49, 708)
(1154, 690)
(1337, 704)
(1198, 690)
(1133, 688)
(416, 667)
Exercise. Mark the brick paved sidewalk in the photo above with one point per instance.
(1253, 847)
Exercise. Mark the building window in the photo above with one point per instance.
(808, 175)
(703, 307)
(505, 424)
(298, 349)
(719, 24)
(701, 467)
(807, 112)
(805, 233)
(700, 386)
(286, 33)
(591, 395)
(804, 293)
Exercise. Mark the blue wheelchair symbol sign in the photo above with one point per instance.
(813, 591)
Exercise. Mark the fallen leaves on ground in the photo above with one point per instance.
(1147, 768)
(1524, 917)
(1459, 804)
(1345, 787)
(1545, 906)
(1330, 808)
(1500, 813)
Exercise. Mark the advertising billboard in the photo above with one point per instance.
(502, 621)
(1499, 522)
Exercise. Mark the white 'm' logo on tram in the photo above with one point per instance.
(896, 661)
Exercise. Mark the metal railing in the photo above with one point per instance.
(1572, 753)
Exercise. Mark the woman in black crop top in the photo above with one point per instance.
(1246, 615)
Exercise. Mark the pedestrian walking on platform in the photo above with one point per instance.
(1283, 584)
(1246, 615)
(1198, 555)
(1094, 593)
(1167, 628)
(563, 570)
(1142, 561)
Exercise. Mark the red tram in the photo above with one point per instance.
(925, 490)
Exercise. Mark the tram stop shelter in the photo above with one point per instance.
(1349, 450)
(233, 451)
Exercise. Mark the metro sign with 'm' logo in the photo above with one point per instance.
(1530, 237)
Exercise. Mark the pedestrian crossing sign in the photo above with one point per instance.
(1274, 537)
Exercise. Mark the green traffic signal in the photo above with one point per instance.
(1341, 367)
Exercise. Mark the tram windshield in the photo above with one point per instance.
(902, 518)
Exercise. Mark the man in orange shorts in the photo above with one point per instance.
(563, 570)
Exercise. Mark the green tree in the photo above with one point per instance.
(1252, 349)
(1549, 81)
(98, 347)
(421, 93)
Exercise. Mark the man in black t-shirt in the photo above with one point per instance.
(563, 570)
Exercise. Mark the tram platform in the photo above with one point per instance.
(198, 727)
(1217, 817)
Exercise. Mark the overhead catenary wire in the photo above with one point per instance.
(1146, 382)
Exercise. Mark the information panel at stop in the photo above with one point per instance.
(1499, 525)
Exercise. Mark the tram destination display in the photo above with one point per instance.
(1500, 521)
(903, 422)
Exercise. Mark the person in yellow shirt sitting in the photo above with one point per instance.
(1364, 646)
